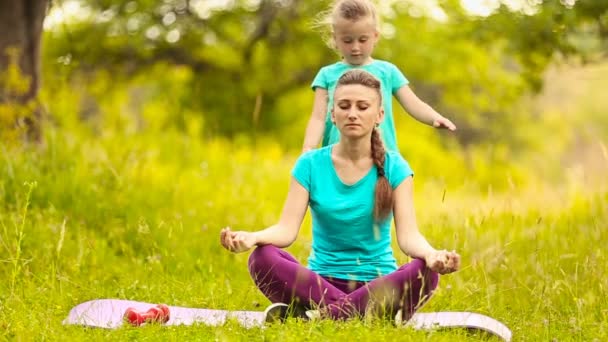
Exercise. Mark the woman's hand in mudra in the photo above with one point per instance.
(237, 242)
(443, 262)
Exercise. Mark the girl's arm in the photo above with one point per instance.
(420, 110)
(409, 238)
(316, 124)
(281, 234)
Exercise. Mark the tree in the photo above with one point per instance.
(20, 34)
(245, 57)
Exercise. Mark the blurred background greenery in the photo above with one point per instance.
(162, 121)
(241, 70)
(523, 80)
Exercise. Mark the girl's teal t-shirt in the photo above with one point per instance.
(347, 244)
(391, 79)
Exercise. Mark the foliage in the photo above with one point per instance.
(248, 60)
(241, 58)
(13, 111)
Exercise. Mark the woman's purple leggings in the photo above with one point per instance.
(283, 280)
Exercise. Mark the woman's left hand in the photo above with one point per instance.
(237, 242)
(443, 262)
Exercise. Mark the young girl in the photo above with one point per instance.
(355, 33)
(354, 189)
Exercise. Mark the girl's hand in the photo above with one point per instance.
(443, 122)
(443, 262)
(237, 242)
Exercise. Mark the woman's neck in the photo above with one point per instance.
(355, 149)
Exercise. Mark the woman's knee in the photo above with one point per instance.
(262, 256)
(428, 278)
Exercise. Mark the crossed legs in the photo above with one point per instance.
(281, 278)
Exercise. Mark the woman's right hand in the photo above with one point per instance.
(237, 242)
(443, 262)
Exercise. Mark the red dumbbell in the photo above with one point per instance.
(157, 314)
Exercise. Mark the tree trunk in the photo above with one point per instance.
(20, 31)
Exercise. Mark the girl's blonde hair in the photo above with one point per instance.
(354, 10)
(345, 9)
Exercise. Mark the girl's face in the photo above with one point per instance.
(355, 39)
(357, 109)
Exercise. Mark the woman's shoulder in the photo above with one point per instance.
(315, 154)
(394, 156)
(309, 162)
(395, 164)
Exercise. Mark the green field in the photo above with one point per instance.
(137, 217)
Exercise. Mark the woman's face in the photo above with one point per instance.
(357, 109)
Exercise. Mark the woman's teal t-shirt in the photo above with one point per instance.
(347, 244)
(391, 79)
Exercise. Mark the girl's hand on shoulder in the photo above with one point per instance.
(443, 262)
(443, 122)
(237, 242)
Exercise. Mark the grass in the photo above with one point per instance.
(138, 217)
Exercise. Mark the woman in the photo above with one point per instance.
(353, 188)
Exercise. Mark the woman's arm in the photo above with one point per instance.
(410, 241)
(285, 232)
(420, 110)
(281, 234)
(316, 123)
